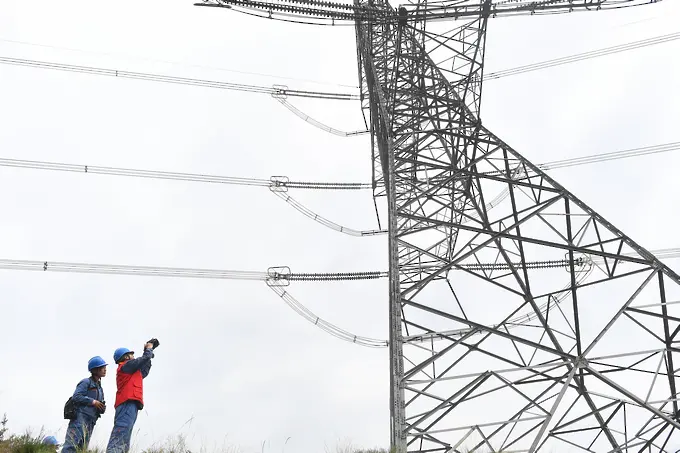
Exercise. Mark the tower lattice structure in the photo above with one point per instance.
(519, 318)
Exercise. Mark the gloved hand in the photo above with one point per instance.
(154, 343)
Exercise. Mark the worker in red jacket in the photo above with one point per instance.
(130, 394)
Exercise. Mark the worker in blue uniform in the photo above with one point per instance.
(130, 394)
(89, 406)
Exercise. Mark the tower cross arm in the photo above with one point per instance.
(462, 9)
(379, 11)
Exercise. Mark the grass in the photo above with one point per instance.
(25, 443)
(32, 443)
(178, 444)
(347, 447)
(29, 443)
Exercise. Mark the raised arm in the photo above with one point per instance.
(142, 363)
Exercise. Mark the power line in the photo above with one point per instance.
(273, 275)
(280, 91)
(556, 298)
(275, 278)
(325, 325)
(604, 157)
(150, 271)
(324, 221)
(318, 124)
(281, 181)
(575, 161)
(74, 168)
(583, 56)
(273, 182)
(279, 184)
(284, 91)
(175, 63)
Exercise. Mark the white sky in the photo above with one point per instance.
(233, 356)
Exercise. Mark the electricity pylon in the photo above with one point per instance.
(520, 319)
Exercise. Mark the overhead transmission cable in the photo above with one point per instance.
(74, 168)
(176, 80)
(192, 177)
(324, 221)
(583, 56)
(279, 277)
(554, 299)
(274, 275)
(558, 297)
(278, 93)
(150, 271)
(175, 63)
(316, 123)
(508, 72)
(324, 325)
(268, 90)
(575, 161)
(615, 155)
(281, 92)
(284, 182)
(275, 278)
(279, 185)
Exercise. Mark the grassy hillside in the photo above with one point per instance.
(32, 443)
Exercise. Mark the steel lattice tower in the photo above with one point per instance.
(520, 319)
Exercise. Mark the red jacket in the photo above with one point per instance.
(130, 387)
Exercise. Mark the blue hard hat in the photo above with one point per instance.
(50, 440)
(120, 352)
(95, 362)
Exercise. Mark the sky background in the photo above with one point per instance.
(234, 359)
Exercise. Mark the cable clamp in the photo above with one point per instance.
(280, 91)
(278, 276)
(279, 183)
(582, 263)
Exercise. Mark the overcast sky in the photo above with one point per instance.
(234, 359)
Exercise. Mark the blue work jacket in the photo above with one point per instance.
(86, 392)
(142, 364)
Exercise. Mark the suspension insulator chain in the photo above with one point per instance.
(282, 184)
(315, 9)
(337, 276)
(282, 275)
(328, 185)
(578, 262)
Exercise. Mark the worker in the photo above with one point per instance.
(130, 394)
(89, 403)
(51, 442)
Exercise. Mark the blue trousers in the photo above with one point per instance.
(123, 422)
(78, 433)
